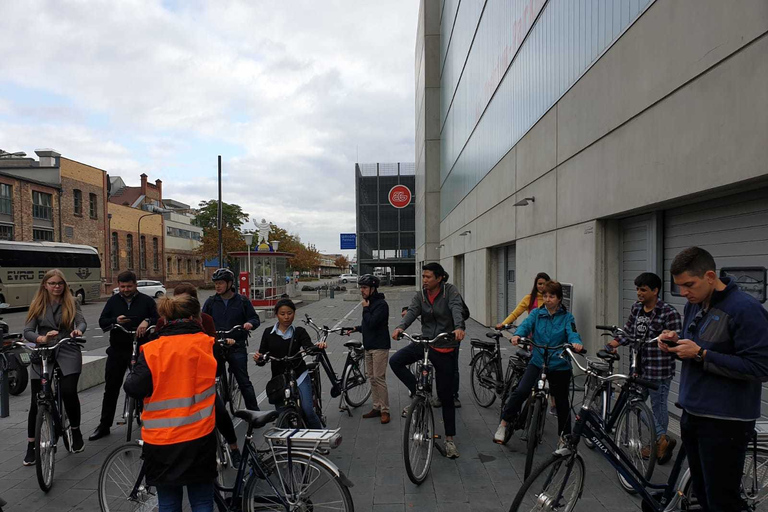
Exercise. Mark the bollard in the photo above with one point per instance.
(5, 406)
(332, 291)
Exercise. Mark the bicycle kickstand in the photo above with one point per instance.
(343, 406)
(439, 445)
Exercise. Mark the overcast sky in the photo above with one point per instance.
(288, 92)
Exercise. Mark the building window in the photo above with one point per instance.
(198, 268)
(129, 250)
(114, 250)
(189, 266)
(93, 206)
(42, 206)
(78, 197)
(42, 235)
(178, 266)
(155, 255)
(6, 199)
(143, 253)
(169, 266)
(6, 232)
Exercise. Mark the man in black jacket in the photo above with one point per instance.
(375, 331)
(135, 312)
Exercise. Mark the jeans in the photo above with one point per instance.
(305, 395)
(558, 388)
(376, 368)
(716, 450)
(659, 406)
(444, 365)
(238, 365)
(170, 497)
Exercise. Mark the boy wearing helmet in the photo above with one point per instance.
(228, 309)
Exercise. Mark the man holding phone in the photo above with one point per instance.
(649, 317)
(135, 312)
(724, 348)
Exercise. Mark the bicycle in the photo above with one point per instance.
(52, 421)
(228, 388)
(132, 408)
(419, 432)
(558, 483)
(289, 475)
(354, 387)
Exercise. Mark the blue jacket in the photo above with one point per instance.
(550, 330)
(238, 311)
(734, 332)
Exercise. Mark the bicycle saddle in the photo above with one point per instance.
(493, 335)
(482, 343)
(353, 344)
(257, 419)
(607, 356)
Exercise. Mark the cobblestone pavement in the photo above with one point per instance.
(485, 477)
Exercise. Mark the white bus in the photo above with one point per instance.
(23, 265)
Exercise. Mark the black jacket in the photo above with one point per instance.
(140, 308)
(237, 311)
(375, 326)
(278, 347)
(190, 462)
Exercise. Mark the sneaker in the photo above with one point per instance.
(450, 450)
(29, 458)
(234, 454)
(436, 402)
(405, 412)
(553, 411)
(77, 441)
(456, 403)
(498, 437)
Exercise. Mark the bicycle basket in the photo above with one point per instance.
(276, 389)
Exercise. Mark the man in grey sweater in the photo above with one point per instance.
(440, 307)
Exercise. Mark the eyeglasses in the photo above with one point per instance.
(55, 283)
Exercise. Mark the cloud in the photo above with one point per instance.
(288, 92)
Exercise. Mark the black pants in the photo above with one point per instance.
(68, 386)
(558, 387)
(456, 374)
(716, 450)
(224, 422)
(238, 365)
(444, 378)
(114, 373)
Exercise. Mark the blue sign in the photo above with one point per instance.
(348, 240)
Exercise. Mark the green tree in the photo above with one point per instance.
(341, 262)
(208, 214)
(232, 239)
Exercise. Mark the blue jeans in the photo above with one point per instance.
(659, 406)
(170, 497)
(305, 395)
(238, 365)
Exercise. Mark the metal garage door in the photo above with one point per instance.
(733, 228)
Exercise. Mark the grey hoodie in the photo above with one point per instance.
(442, 316)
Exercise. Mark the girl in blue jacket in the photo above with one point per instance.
(549, 325)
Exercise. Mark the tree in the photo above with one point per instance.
(341, 262)
(208, 214)
(306, 259)
(288, 242)
(232, 241)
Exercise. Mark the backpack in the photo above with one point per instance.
(464, 310)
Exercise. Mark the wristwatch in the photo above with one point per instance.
(700, 356)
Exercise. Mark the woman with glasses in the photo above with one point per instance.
(53, 315)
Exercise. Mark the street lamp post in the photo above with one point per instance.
(248, 241)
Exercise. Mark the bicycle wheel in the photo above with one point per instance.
(355, 383)
(484, 378)
(312, 483)
(534, 428)
(636, 433)
(119, 474)
(45, 447)
(223, 458)
(555, 485)
(418, 440)
(235, 396)
(290, 418)
(129, 419)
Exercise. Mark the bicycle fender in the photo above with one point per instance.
(326, 463)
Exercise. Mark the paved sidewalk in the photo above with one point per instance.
(485, 477)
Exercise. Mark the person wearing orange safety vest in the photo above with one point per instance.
(175, 375)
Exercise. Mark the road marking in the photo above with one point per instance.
(97, 336)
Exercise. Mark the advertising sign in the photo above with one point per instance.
(348, 240)
(399, 196)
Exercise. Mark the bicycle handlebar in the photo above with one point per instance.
(266, 357)
(119, 327)
(344, 331)
(44, 347)
(419, 338)
(237, 328)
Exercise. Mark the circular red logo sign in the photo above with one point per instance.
(399, 196)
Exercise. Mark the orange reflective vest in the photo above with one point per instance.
(183, 389)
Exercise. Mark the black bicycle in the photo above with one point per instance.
(227, 387)
(52, 422)
(132, 408)
(290, 475)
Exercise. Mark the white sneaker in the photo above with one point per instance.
(450, 450)
(498, 437)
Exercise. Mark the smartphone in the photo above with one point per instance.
(669, 343)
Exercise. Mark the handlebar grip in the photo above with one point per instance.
(605, 327)
(647, 383)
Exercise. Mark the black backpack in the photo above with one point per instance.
(464, 310)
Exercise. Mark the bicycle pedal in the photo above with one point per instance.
(436, 436)
(120, 422)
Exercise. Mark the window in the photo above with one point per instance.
(198, 267)
(42, 235)
(129, 250)
(93, 206)
(155, 255)
(6, 232)
(189, 266)
(42, 206)
(78, 197)
(143, 253)
(6, 199)
(114, 250)
(168, 266)
(178, 266)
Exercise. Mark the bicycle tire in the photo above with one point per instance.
(625, 439)
(235, 396)
(419, 431)
(356, 372)
(290, 418)
(533, 436)
(129, 419)
(223, 458)
(121, 470)
(316, 494)
(482, 367)
(45, 447)
(537, 498)
(17, 380)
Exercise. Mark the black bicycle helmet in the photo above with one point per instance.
(369, 280)
(224, 274)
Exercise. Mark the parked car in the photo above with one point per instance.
(151, 288)
(348, 278)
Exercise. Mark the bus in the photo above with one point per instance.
(23, 265)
